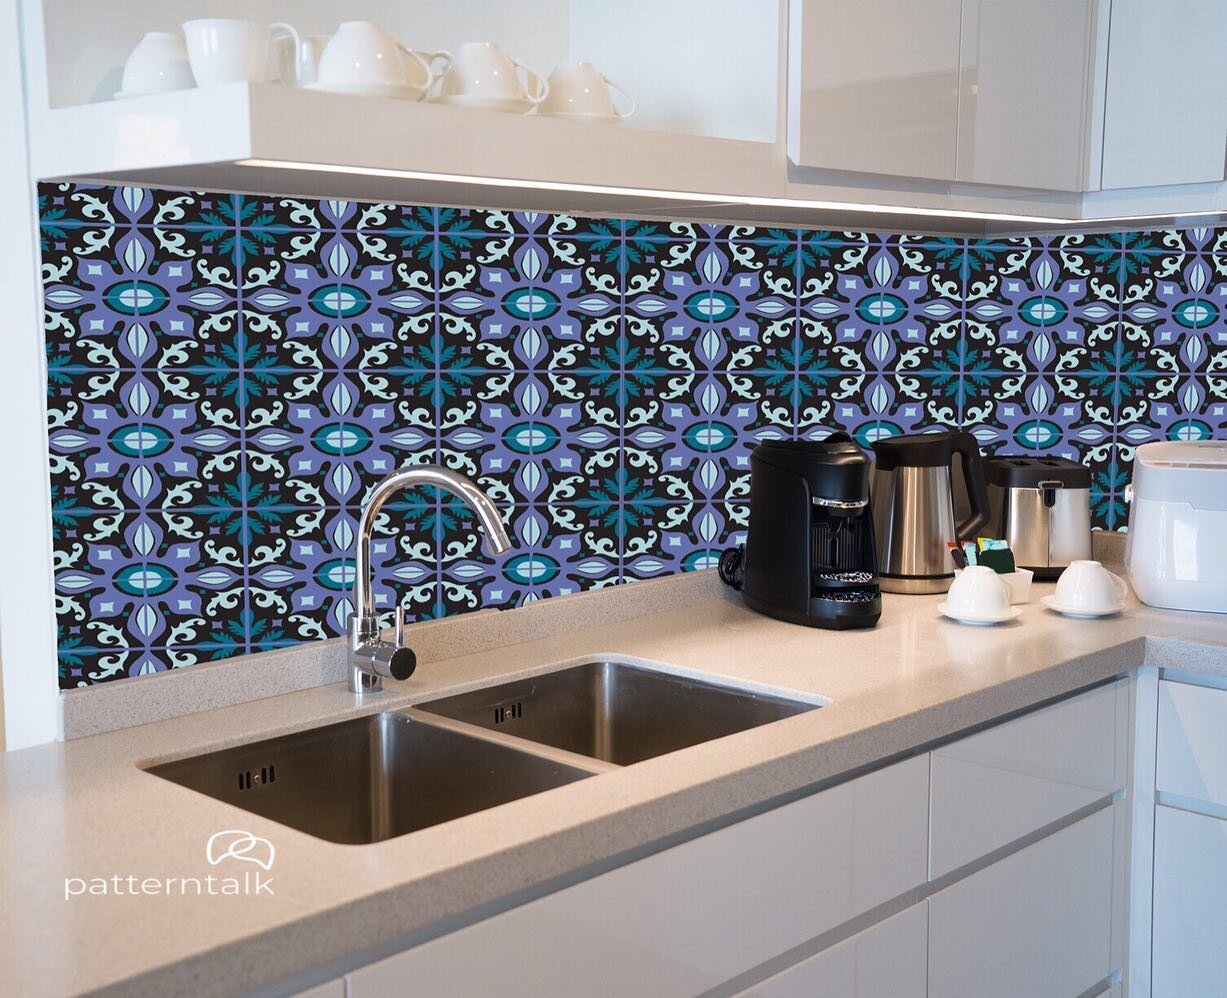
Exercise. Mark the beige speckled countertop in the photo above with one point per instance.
(84, 809)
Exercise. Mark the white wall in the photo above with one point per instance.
(27, 595)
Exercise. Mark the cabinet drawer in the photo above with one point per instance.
(691, 917)
(1039, 922)
(1190, 904)
(1004, 783)
(1192, 750)
(886, 960)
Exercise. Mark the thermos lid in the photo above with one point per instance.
(917, 450)
(1009, 471)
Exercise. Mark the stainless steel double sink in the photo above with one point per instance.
(384, 775)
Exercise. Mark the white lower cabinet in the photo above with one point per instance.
(1039, 922)
(886, 960)
(689, 918)
(1190, 905)
(1010, 780)
(1192, 743)
(1043, 919)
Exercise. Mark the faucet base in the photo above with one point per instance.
(361, 681)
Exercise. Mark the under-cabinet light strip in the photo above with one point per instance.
(713, 200)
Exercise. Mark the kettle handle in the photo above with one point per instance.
(977, 488)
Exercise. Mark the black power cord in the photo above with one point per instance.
(731, 566)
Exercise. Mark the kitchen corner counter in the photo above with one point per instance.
(84, 809)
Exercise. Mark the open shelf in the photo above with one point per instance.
(276, 139)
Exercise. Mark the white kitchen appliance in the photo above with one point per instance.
(1176, 550)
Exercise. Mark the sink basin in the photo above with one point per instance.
(372, 778)
(615, 712)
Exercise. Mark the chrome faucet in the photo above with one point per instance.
(370, 656)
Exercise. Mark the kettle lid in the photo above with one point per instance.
(917, 450)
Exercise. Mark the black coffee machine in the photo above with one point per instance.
(809, 556)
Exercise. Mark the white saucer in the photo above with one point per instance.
(396, 91)
(131, 94)
(982, 619)
(1080, 612)
(595, 119)
(508, 105)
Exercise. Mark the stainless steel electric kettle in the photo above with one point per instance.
(913, 509)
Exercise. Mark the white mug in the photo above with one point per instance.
(301, 65)
(156, 65)
(978, 591)
(1087, 585)
(580, 90)
(225, 50)
(483, 70)
(363, 58)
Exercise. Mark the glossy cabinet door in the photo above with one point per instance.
(1190, 905)
(1009, 781)
(886, 960)
(330, 989)
(1165, 116)
(873, 86)
(1025, 91)
(1039, 922)
(1192, 743)
(692, 917)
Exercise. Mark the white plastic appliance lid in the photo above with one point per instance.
(1205, 455)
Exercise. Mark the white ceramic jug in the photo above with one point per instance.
(225, 50)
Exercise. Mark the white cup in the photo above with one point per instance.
(580, 90)
(1087, 585)
(224, 50)
(483, 70)
(363, 58)
(301, 65)
(156, 65)
(978, 591)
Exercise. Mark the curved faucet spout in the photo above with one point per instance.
(368, 657)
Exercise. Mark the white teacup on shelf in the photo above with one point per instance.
(581, 91)
(1087, 589)
(362, 58)
(225, 50)
(156, 65)
(482, 75)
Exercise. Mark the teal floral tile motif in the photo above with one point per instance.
(229, 375)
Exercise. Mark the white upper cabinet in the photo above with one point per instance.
(1166, 93)
(968, 116)
(874, 86)
(1024, 97)
(1076, 109)
(985, 92)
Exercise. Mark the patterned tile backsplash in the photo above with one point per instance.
(227, 375)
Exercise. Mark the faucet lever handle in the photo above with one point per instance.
(400, 626)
